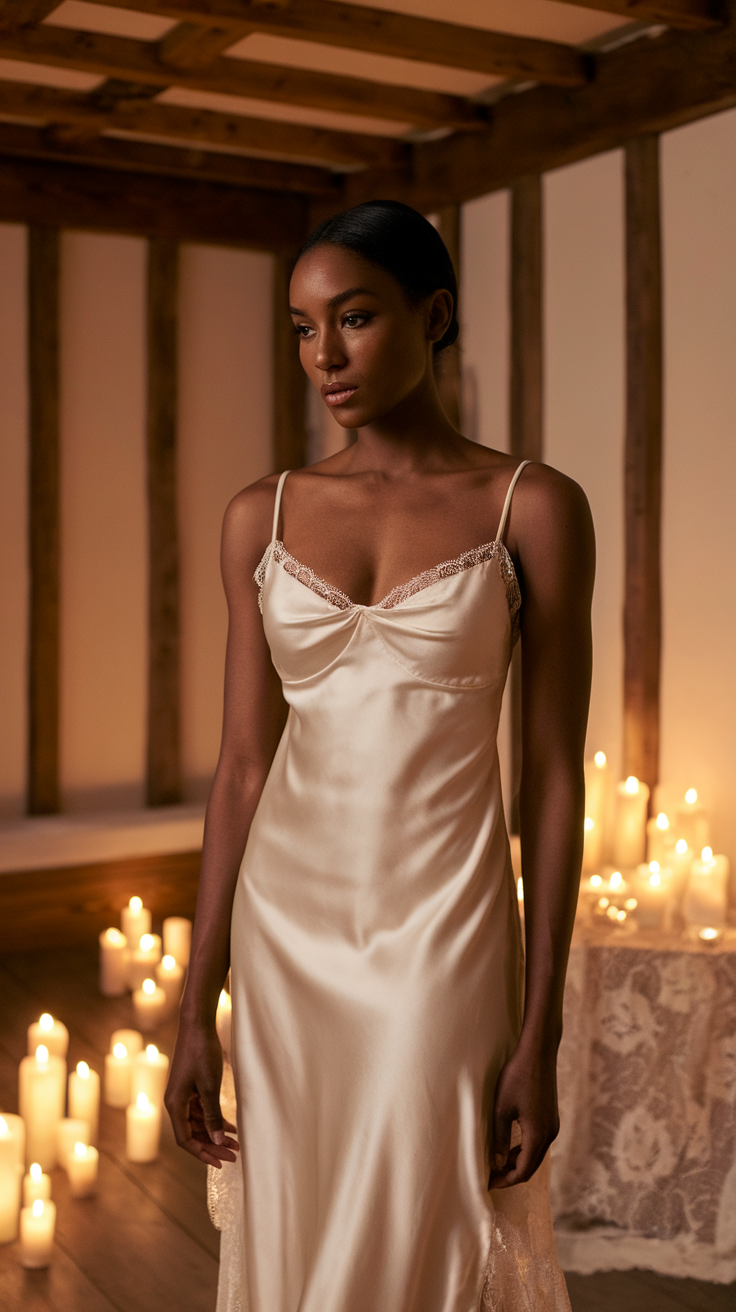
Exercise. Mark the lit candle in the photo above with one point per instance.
(596, 797)
(117, 1076)
(170, 976)
(135, 920)
(652, 896)
(10, 1178)
(629, 826)
(692, 822)
(178, 938)
(51, 1033)
(37, 1224)
(591, 844)
(36, 1185)
(149, 1002)
(132, 1039)
(660, 839)
(81, 1168)
(149, 1075)
(69, 1132)
(41, 1097)
(142, 1130)
(223, 1019)
(17, 1130)
(142, 960)
(706, 894)
(113, 963)
(84, 1097)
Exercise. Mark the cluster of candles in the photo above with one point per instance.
(134, 959)
(661, 870)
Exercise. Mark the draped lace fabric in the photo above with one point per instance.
(644, 1170)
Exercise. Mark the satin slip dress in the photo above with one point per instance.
(377, 961)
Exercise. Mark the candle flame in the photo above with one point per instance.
(603, 903)
(4, 1126)
(631, 904)
(80, 1150)
(519, 894)
(588, 824)
(662, 821)
(224, 999)
(146, 943)
(149, 986)
(655, 880)
(120, 1051)
(136, 905)
(82, 1070)
(654, 867)
(42, 1053)
(168, 962)
(612, 913)
(708, 934)
(142, 1103)
(600, 759)
(152, 1052)
(706, 854)
(114, 936)
(595, 881)
(681, 846)
(621, 915)
(46, 1022)
(38, 1208)
(35, 1172)
(616, 879)
(691, 796)
(632, 785)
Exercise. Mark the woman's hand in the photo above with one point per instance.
(526, 1092)
(193, 1095)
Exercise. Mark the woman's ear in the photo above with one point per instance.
(439, 314)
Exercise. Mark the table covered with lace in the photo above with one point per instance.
(644, 1169)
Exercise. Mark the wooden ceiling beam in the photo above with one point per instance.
(144, 62)
(234, 131)
(190, 45)
(22, 13)
(380, 32)
(19, 139)
(690, 15)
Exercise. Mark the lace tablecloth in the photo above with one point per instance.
(644, 1170)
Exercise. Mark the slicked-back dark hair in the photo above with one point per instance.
(400, 240)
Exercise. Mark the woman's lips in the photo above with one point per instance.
(337, 397)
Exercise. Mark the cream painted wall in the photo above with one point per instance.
(224, 444)
(103, 512)
(699, 541)
(584, 396)
(14, 519)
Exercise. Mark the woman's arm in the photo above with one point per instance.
(254, 717)
(554, 544)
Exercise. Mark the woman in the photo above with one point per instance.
(395, 1094)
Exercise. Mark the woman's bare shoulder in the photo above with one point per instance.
(550, 525)
(246, 530)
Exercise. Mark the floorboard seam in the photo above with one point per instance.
(87, 1276)
(156, 1202)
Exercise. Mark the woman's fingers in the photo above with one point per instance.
(523, 1161)
(195, 1135)
(503, 1119)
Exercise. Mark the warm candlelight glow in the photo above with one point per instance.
(37, 1208)
(80, 1150)
(147, 942)
(46, 1022)
(82, 1070)
(596, 881)
(621, 915)
(631, 904)
(616, 879)
(600, 759)
(114, 936)
(120, 1051)
(612, 913)
(42, 1052)
(136, 905)
(632, 785)
(706, 854)
(655, 880)
(4, 1127)
(151, 1052)
(142, 1102)
(681, 846)
(654, 867)
(708, 934)
(149, 986)
(225, 997)
(691, 796)
(168, 962)
(588, 824)
(35, 1171)
(662, 821)
(603, 903)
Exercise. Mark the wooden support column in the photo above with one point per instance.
(643, 476)
(525, 417)
(43, 665)
(289, 379)
(448, 365)
(163, 785)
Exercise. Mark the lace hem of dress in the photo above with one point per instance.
(476, 556)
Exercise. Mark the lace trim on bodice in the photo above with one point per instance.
(476, 556)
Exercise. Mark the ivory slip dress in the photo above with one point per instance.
(377, 961)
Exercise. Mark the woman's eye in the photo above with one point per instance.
(355, 320)
(303, 330)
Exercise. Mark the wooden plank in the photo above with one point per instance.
(526, 378)
(289, 380)
(356, 27)
(447, 363)
(192, 45)
(690, 15)
(163, 775)
(19, 139)
(44, 528)
(60, 1288)
(17, 13)
(106, 200)
(143, 62)
(643, 479)
(233, 131)
(72, 904)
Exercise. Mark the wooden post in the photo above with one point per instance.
(643, 476)
(163, 749)
(43, 377)
(448, 361)
(289, 379)
(526, 386)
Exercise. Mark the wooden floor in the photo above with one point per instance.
(145, 1243)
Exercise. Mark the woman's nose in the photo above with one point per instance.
(330, 352)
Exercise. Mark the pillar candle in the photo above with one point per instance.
(692, 822)
(113, 963)
(652, 896)
(149, 1002)
(178, 938)
(629, 824)
(170, 977)
(10, 1178)
(142, 1130)
(660, 839)
(36, 1185)
(81, 1168)
(84, 1098)
(17, 1130)
(223, 1019)
(135, 920)
(142, 960)
(706, 894)
(597, 777)
(117, 1076)
(149, 1075)
(41, 1096)
(37, 1225)
(51, 1033)
(132, 1040)
(592, 845)
(68, 1133)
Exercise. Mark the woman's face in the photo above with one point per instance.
(363, 345)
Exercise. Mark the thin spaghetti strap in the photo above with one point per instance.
(277, 504)
(507, 502)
